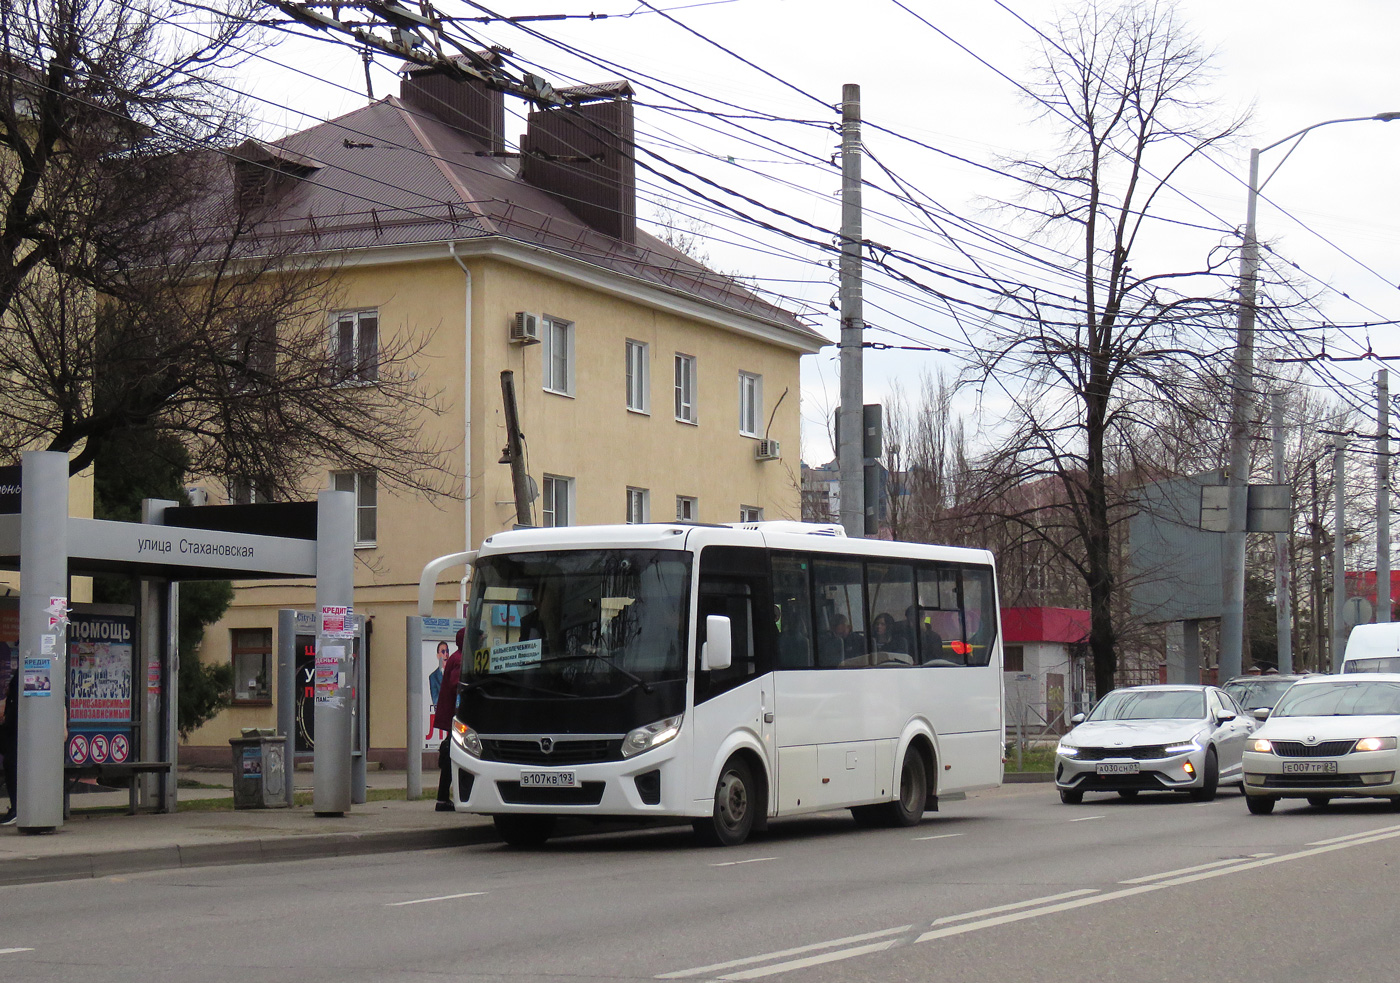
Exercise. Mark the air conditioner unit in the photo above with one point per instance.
(768, 450)
(525, 328)
(197, 494)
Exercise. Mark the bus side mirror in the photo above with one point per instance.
(717, 653)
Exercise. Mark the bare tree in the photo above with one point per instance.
(140, 285)
(1123, 84)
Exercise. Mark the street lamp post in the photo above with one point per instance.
(1241, 408)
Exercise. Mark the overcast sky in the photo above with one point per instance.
(951, 85)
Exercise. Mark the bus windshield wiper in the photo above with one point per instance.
(518, 684)
(646, 686)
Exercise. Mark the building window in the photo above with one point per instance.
(685, 389)
(687, 508)
(750, 513)
(252, 665)
(1013, 659)
(356, 344)
(750, 404)
(243, 490)
(365, 486)
(558, 501)
(254, 354)
(638, 505)
(558, 356)
(638, 382)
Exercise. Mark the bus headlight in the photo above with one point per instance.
(646, 737)
(466, 738)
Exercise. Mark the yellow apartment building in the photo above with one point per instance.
(649, 388)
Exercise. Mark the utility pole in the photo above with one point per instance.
(1339, 552)
(1382, 496)
(514, 453)
(1283, 569)
(850, 430)
(1319, 618)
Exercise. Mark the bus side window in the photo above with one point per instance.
(840, 592)
(792, 600)
(979, 614)
(735, 582)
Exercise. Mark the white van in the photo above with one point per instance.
(1373, 648)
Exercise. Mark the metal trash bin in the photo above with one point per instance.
(259, 769)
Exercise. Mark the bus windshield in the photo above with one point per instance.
(578, 622)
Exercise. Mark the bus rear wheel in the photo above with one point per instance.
(524, 831)
(908, 808)
(732, 819)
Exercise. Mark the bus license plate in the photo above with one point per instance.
(1310, 767)
(1118, 768)
(549, 779)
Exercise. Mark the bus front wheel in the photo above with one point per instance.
(732, 819)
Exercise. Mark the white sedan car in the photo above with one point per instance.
(1154, 738)
(1329, 737)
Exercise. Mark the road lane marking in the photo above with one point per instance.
(445, 897)
(1007, 914)
(749, 960)
(1192, 870)
(735, 863)
(826, 957)
(1354, 836)
(946, 919)
(1085, 819)
(6, 952)
(940, 836)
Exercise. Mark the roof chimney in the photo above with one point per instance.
(582, 154)
(463, 103)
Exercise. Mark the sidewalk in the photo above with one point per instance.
(94, 842)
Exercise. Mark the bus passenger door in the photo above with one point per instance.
(733, 582)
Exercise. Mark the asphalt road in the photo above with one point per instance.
(1009, 885)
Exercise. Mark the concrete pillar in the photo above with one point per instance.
(43, 606)
(335, 670)
(1184, 652)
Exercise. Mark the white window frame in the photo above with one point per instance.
(365, 486)
(750, 404)
(687, 508)
(638, 505)
(556, 370)
(638, 376)
(750, 513)
(353, 364)
(556, 487)
(251, 645)
(243, 490)
(687, 376)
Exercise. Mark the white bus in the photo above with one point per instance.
(726, 674)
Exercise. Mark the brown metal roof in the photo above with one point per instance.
(390, 175)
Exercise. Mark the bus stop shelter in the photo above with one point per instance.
(171, 543)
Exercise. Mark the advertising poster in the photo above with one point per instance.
(439, 639)
(101, 681)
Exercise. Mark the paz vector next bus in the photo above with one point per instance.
(726, 674)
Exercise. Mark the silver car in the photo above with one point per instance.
(1154, 739)
(1329, 737)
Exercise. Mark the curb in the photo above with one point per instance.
(33, 870)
